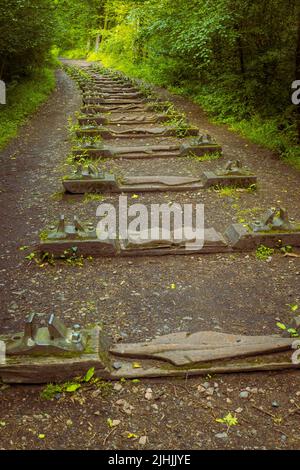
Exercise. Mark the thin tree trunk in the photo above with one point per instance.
(241, 56)
(97, 43)
(105, 26)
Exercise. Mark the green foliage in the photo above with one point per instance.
(89, 375)
(286, 249)
(267, 132)
(178, 121)
(78, 24)
(90, 197)
(23, 100)
(229, 420)
(49, 392)
(281, 326)
(26, 34)
(293, 307)
(263, 253)
(75, 54)
(72, 387)
(228, 191)
(292, 331)
(236, 59)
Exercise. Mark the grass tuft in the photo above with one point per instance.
(23, 99)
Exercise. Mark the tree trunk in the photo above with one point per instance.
(105, 26)
(97, 43)
(241, 55)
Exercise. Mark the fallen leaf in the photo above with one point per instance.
(136, 365)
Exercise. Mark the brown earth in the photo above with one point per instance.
(134, 300)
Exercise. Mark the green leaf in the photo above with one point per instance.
(294, 307)
(293, 332)
(281, 326)
(30, 256)
(72, 388)
(90, 373)
(110, 422)
(229, 420)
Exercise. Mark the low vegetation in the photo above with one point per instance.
(236, 59)
(23, 99)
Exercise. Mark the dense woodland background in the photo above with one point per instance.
(237, 58)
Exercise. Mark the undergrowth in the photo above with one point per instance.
(274, 133)
(23, 99)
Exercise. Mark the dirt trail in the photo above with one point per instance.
(134, 300)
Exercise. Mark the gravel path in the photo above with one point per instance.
(134, 300)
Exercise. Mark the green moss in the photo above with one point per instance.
(49, 392)
(206, 157)
(188, 367)
(90, 197)
(228, 191)
(279, 231)
(58, 196)
(44, 235)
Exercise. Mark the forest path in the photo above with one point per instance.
(135, 301)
